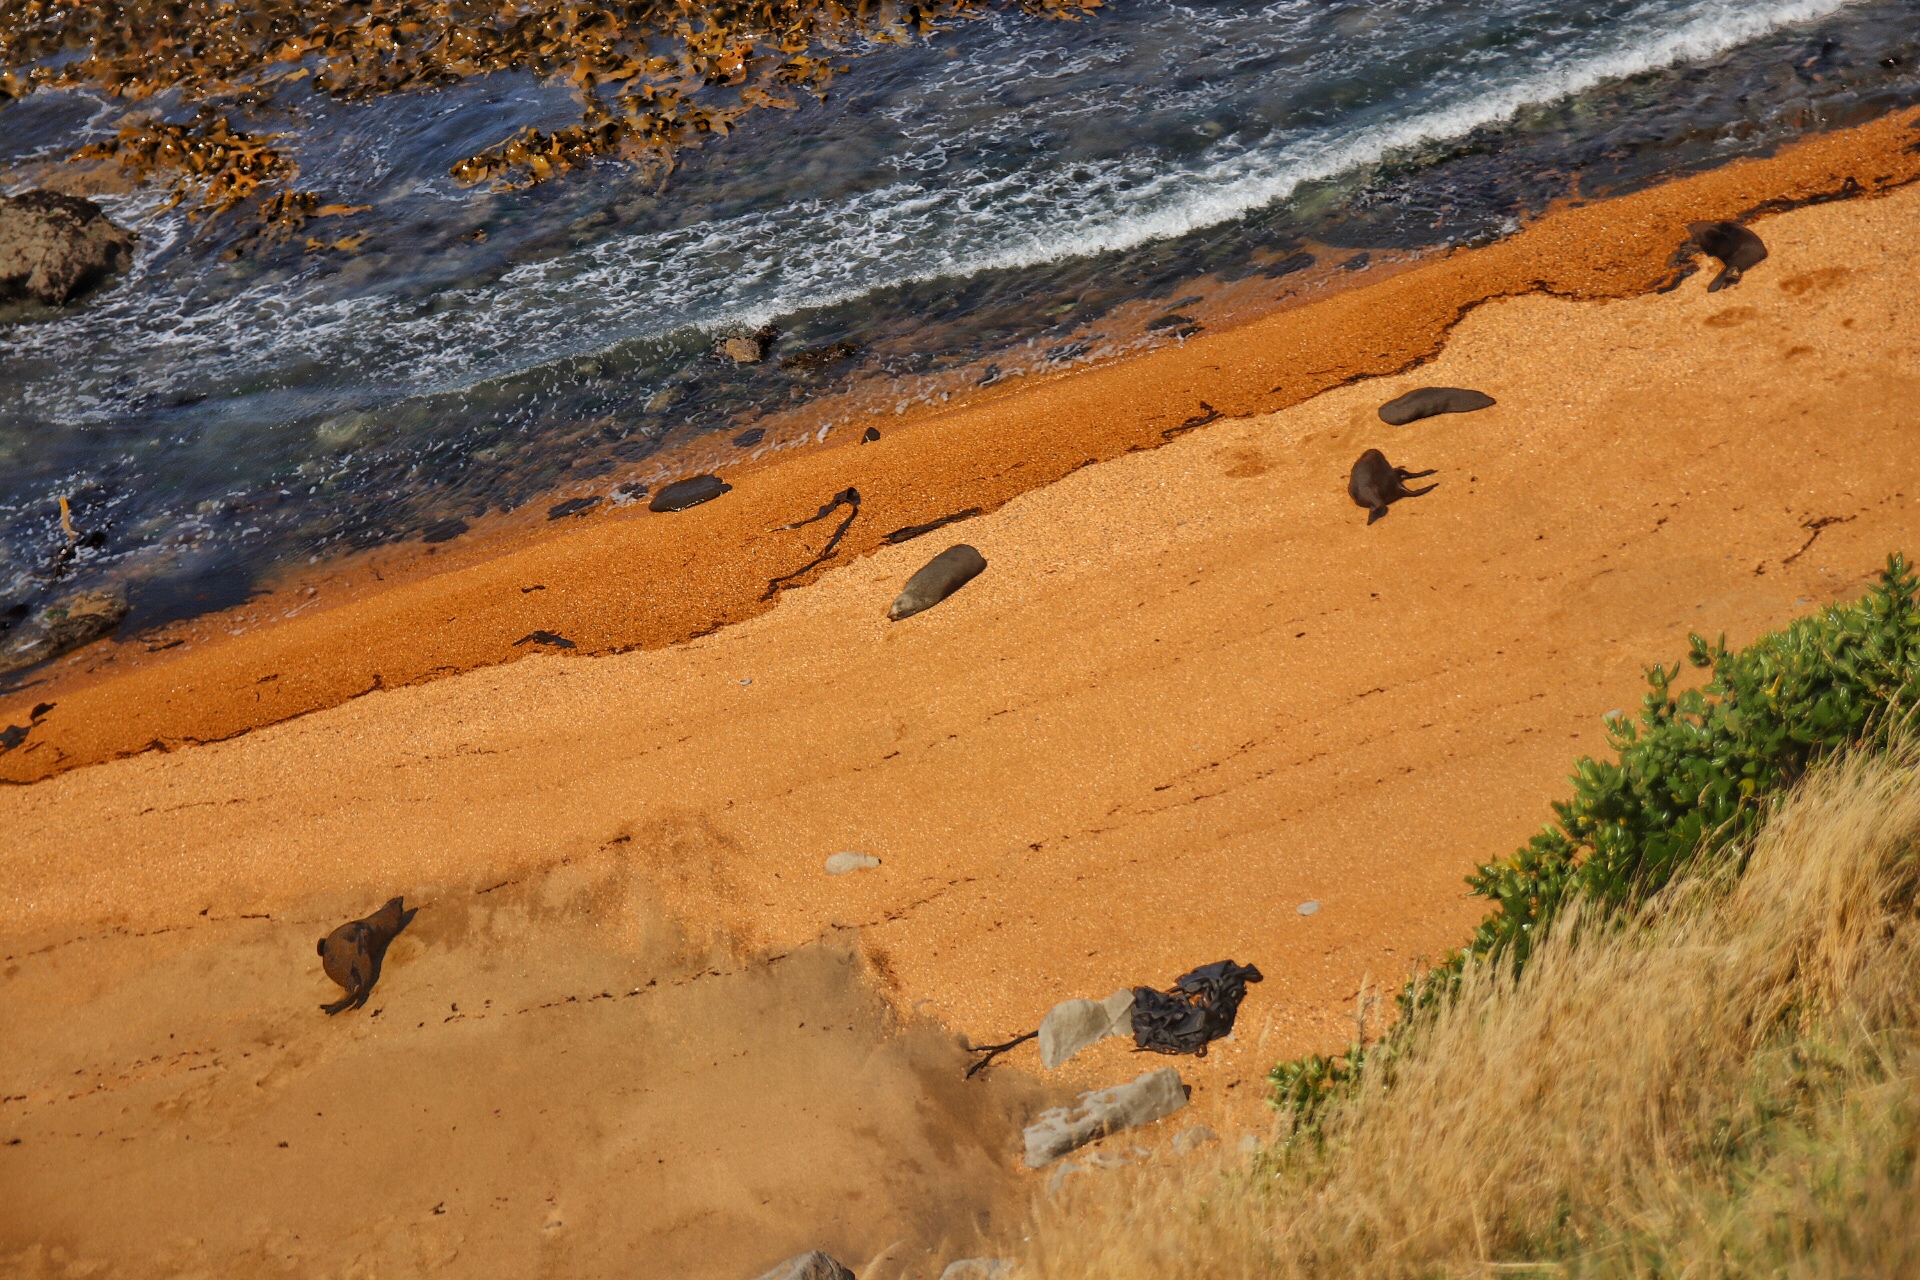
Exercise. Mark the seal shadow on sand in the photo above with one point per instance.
(551, 1077)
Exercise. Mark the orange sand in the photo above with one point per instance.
(1192, 690)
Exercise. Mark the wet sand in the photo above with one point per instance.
(1192, 690)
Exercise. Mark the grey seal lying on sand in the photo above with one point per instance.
(351, 954)
(1738, 249)
(943, 575)
(690, 492)
(1428, 401)
(1375, 482)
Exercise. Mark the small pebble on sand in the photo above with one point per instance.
(1308, 908)
(841, 863)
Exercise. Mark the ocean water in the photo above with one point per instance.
(1012, 194)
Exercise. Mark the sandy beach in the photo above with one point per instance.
(1192, 691)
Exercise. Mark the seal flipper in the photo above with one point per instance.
(1376, 513)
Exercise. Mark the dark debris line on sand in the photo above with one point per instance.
(553, 638)
(846, 497)
(912, 531)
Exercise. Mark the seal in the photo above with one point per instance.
(351, 954)
(1375, 483)
(690, 492)
(943, 575)
(1738, 249)
(1429, 401)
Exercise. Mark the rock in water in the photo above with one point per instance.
(978, 1269)
(1095, 1115)
(814, 1265)
(1429, 401)
(842, 863)
(78, 620)
(945, 574)
(54, 248)
(1738, 249)
(691, 492)
(1072, 1025)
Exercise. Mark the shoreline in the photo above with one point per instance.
(628, 580)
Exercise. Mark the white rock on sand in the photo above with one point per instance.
(1072, 1025)
(841, 863)
(1104, 1111)
(813, 1265)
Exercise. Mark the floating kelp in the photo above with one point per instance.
(651, 76)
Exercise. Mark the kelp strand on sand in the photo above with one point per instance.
(650, 77)
(1694, 777)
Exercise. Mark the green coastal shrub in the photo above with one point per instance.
(1694, 776)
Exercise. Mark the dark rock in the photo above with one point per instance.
(75, 621)
(691, 492)
(553, 638)
(1168, 322)
(870, 435)
(943, 575)
(1429, 401)
(749, 438)
(819, 357)
(572, 507)
(54, 248)
(813, 1265)
(1288, 265)
(443, 530)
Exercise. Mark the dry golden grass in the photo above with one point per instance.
(1730, 1087)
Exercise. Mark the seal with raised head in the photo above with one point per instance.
(1375, 483)
(1428, 401)
(690, 492)
(352, 954)
(1738, 249)
(943, 575)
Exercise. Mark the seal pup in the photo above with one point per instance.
(1375, 483)
(690, 492)
(1738, 249)
(943, 575)
(1429, 401)
(351, 954)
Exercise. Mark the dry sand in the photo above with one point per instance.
(1191, 691)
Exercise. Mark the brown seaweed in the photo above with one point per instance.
(651, 76)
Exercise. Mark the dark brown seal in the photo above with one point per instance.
(943, 575)
(690, 492)
(1738, 249)
(1375, 483)
(1428, 401)
(351, 954)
